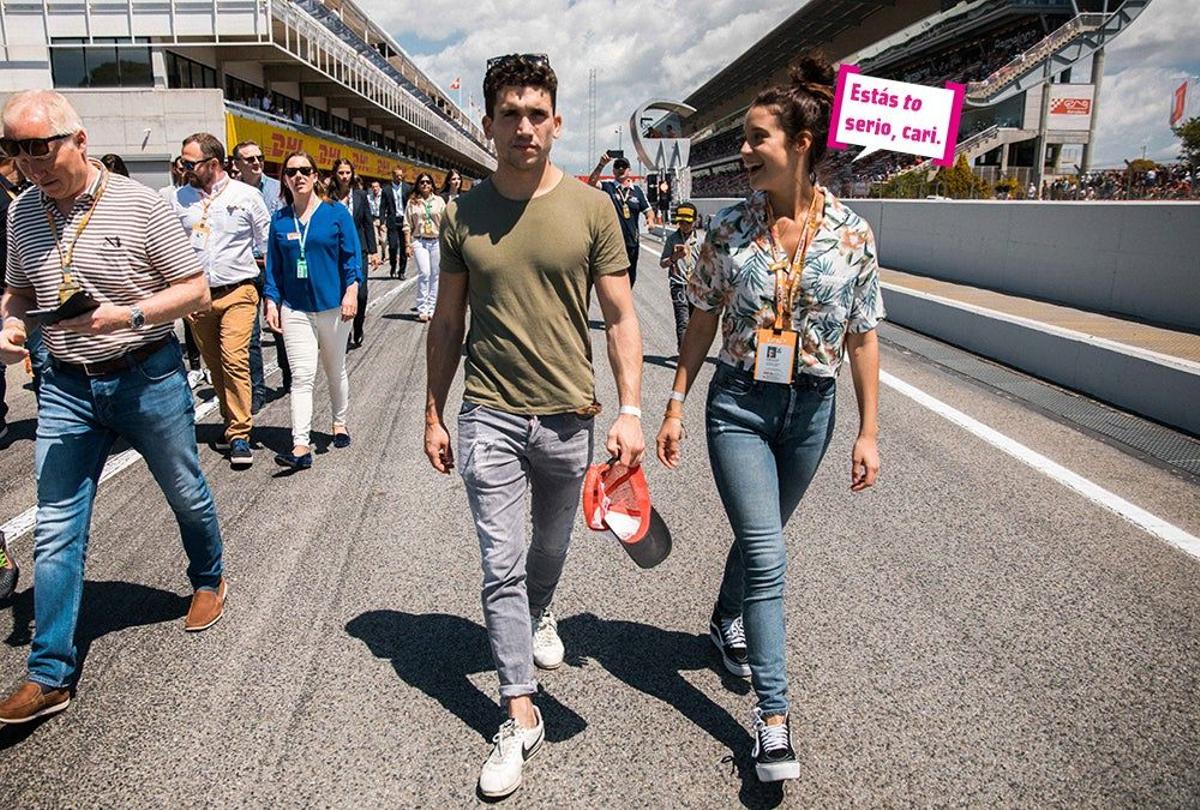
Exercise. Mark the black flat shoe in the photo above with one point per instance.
(341, 440)
(294, 462)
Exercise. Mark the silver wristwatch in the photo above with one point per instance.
(137, 318)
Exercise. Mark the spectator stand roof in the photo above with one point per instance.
(815, 24)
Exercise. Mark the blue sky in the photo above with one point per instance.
(668, 49)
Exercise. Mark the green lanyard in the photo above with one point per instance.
(302, 265)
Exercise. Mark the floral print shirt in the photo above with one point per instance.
(838, 289)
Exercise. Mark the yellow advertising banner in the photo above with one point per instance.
(277, 142)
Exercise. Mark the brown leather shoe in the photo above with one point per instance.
(207, 609)
(31, 701)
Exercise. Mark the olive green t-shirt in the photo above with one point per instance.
(530, 267)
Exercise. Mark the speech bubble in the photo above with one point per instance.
(897, 116)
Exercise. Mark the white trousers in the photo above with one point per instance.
(428, 254)
(307, 334)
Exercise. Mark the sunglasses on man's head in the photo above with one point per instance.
(534, 59)
(33, 147)
(292, 171)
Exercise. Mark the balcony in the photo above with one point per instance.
(340, 67)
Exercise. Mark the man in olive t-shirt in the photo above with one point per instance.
(524, 249)
(532, 264)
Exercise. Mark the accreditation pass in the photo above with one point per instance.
(775, 358)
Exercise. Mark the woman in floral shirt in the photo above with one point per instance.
(795, 276)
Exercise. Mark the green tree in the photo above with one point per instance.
(958, 182)
(1189, 141)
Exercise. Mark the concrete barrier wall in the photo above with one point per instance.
(1136, 259)
(147, 127)
(1162, 390)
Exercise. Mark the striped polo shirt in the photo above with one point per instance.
(131, 249)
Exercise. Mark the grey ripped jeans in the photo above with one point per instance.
(501, 456)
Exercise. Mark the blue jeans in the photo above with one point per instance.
(79, 419)
(765, 442)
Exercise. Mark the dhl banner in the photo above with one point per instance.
(277, 142)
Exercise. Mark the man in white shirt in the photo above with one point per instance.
(227, 223)
(249, 160)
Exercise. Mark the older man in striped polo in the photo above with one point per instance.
(115, 371)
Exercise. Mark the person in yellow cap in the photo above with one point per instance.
(680, 250)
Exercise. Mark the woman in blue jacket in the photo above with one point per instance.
(311, 288)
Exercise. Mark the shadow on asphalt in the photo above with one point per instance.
(275, 439)
(644, 657)
(22, 430)
(672, 361)
(106, 607)
(403, 639)
(652, 660)
(400, 316)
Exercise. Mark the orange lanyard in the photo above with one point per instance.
(65, 259)
(206, 204)
(787, 273)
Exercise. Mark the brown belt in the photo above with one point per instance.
(222, 289)
(114, 365)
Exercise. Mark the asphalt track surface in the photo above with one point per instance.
(970, 632)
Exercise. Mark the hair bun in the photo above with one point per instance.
(813, 74)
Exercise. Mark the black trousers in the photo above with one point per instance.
(3, 394)
(632, 252)
(361, 314)
(397, 254)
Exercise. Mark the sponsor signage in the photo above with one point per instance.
(277, 142)
(1070, 107)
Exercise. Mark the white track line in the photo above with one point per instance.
(23, 523)
(1095, 493)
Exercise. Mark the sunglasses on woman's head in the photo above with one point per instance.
(33, 147)
(292, 171)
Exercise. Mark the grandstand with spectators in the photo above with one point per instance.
(1032, 70)
(317, 75)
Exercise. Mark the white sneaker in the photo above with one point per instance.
(547, 646)
(501, 774)
(195, 377)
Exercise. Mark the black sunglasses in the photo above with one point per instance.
(292, 171)
(424, 182)
(534, 59)
(252, 159)
(190, 165)
(34, 147)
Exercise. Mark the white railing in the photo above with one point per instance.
(314, 44)
(227, 23)
(1031, 58)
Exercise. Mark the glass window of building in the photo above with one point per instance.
(103, 62)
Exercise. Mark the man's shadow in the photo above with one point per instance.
(404, 639)
(24, 430)
(270, 437)
(106, 607)
(652, 660)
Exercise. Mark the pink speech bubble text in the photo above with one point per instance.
(895, 116)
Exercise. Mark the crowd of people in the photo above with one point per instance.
(102, 267)
(967, 62)
(1175, 181)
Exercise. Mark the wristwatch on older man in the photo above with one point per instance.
(137, 318)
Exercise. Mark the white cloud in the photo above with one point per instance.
(668, 49)
(640, 50)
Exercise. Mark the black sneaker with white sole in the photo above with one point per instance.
(729, 637)
(774, 757)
